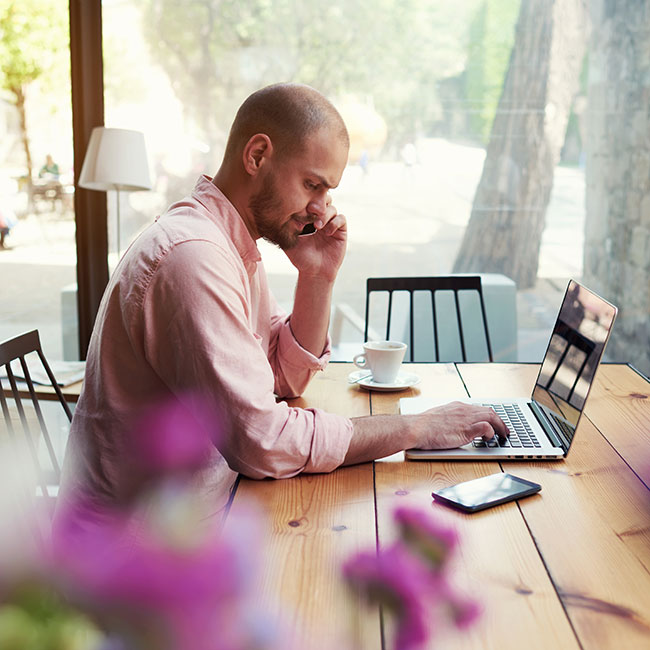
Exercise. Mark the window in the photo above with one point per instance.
(38, 258)
(439, 98)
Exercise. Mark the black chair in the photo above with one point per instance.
(430, 285)
(26, 415)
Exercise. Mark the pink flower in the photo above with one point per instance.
(157, 596)
(170, 442)
(176, 436)
(425, 536)
(411, 580)
(398, 581)
(464, 611)
(154, 571)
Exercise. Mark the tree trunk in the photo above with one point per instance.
(508, 215)
(20, 105)
(617, 225)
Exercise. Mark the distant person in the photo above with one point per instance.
(409, 154)
(7, 222)
(364, 161)
(50, 169)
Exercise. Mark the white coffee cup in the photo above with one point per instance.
(384, 359)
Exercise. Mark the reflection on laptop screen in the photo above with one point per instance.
(574, 351)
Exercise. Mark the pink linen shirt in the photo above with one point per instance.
(188, 310)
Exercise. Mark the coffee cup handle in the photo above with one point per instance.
(360, 361)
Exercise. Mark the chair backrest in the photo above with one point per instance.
(22, 409)
(430, 285)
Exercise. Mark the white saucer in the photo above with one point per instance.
(403, 381)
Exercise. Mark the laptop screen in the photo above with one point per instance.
(572, 357)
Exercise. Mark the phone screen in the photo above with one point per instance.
(485, 492)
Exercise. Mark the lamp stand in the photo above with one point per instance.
(119, 250)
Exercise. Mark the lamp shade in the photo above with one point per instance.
(116, 159)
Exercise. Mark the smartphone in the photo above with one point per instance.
(485, 492)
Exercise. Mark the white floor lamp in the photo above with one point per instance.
(116, 159)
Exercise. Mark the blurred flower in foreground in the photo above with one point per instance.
(425, 536)
(410, 580)
(170, 443)
(159, 595)
(138, 577)
(394, 579)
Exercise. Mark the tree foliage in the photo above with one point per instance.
(491, 37)
(33, 39)
(388, 52)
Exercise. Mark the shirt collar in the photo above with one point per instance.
(215, 201)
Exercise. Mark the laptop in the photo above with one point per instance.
(544, 425)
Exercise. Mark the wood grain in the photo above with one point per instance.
(330, 390)
(498, 562)
(568, 568)
(591, 522)
(620, 404)
(440, 380)
(314, 523)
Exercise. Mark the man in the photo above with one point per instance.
(50, 169)
(188, 312)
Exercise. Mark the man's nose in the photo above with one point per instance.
(318, 205)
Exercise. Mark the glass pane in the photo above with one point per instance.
(37, 256)
(428, 89)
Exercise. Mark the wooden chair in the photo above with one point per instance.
(458, 284)
(23, 415)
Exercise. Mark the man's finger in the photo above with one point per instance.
(330, 213)
(499, 426)
(481, 430)
(337, 222)
(489, 415)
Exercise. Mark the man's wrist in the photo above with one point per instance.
(317, 279)
(412, 427)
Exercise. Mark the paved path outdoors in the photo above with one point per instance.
(401, 222)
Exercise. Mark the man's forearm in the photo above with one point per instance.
(444, 427)
(311, 313)
(376, 436)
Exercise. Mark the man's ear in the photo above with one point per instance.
(256, 151)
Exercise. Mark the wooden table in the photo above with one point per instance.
(568, 568)
(70, 392)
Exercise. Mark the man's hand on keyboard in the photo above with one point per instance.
(456, 424)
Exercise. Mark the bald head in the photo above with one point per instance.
(288, 113)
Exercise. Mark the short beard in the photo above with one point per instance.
(265, 206)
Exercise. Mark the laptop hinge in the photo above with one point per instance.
(548, 429)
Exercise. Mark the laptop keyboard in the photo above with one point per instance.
(521, 433)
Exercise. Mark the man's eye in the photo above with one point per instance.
(310, 186)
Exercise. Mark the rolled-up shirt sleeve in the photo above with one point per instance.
(199, 298)
(292, 365)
